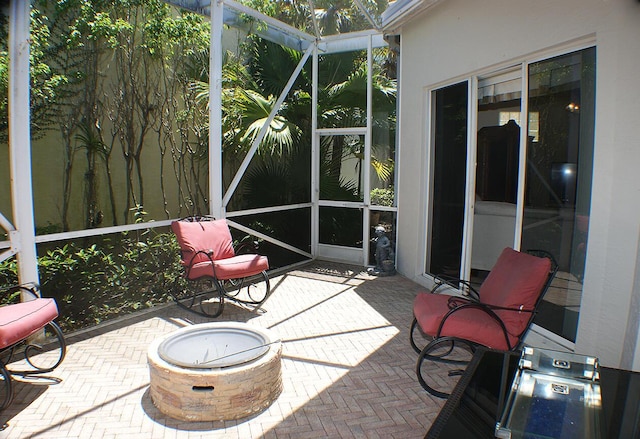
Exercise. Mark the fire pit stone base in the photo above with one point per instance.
(215, 394)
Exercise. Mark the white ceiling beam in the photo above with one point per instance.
(281, 33)
(235, 16)
(314, 19)
(351, 41)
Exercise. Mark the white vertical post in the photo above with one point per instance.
(315, 156)
(469, 205)
(522, 162)
(23, 238)
(215, 111)
(367, 156)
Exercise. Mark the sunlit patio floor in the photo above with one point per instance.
(347, 368)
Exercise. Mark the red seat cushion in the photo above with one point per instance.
(429, 309)
(471, 324)
(18, 321)
(479, 327)
(212, 237)
(230, 268)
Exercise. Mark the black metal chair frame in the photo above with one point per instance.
(471, 299)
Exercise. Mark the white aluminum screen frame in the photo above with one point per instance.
(22, 239)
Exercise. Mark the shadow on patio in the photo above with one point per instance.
(347, 368)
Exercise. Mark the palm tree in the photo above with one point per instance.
(280, 173)
(249, 95)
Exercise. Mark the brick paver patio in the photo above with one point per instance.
(347, 368)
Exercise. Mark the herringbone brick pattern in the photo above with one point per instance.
(347, 367)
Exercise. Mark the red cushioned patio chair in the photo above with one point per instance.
(214, 270)
(496, 316)
(31, 342)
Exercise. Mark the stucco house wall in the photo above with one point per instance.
(456, 39)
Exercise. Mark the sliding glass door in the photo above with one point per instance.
(559, 169)
(530, 187)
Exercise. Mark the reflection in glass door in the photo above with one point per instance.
(559, 172)
(497, 161)
(448, 179)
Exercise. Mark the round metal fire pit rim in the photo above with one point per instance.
(215, 345)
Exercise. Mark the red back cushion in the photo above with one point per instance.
(211, 237)
(516, 281)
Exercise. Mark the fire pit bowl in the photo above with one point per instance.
(215, 371)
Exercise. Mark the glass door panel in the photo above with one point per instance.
(497, 161)
(448, 179)
(558, 183)
(383, 129)
(341, 195)
(341, 226)
(341, 171)
(557, 186)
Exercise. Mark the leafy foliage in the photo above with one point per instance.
(382, 196)
(112, 80)
(96, 282)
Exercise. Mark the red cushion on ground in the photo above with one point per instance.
(231, 268)
(209, 236)
(20, 320)
(515, 281)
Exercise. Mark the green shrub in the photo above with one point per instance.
(111, 277)
(382, 196)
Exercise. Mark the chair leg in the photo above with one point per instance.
(43, 352)
(46, 352)
(6, 387)
(417, 338)
(210, 300)
(203, 296)
(252, 290)
(206, 296)
(432, 353)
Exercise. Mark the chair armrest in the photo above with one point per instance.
(193, 261)
(442, 280)
(459, 304)
(13, 294)
(247, 247)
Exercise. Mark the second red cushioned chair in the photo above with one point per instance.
(496, 316)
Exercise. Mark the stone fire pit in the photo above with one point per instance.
(215, 371)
